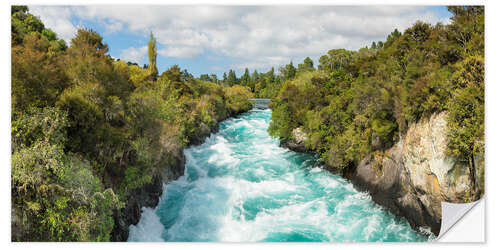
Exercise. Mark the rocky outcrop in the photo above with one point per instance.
(203, 132)
(412, 177)
(297, 142)
(415, 175)
(145, 196)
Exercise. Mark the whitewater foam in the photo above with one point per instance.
(240, 186)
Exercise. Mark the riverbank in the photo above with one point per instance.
(411, 178)
(149, 194)
(241, 186)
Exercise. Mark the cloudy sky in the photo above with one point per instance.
(213, 39)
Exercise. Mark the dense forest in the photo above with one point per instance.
(263, 85)
(358, 103)
(87, 129)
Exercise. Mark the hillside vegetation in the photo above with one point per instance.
(87, 129)
(358, 103)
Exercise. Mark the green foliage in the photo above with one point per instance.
(360, 102)
(288, 72)
(60, 198)
(152, 57)
(87, 129)
(88, 43)
(135, 178)
(335, 59)
(466, 118)
(47, 124)
(308, 65)
(231, 78)
(37, 75)
(237, 99)
(245, 78)
(24, 23)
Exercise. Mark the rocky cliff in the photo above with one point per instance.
(415, 175)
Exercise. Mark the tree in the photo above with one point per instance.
(231, 78)
(38, 78)
(204, 77)
(55, 196)
(89, 42)
(308, 65)
(270, 75)
(335, 60)
(173, 74)
(467, 24)
(288, 72)
(245, 78)
(19, 8)
(392, 37)
(253, 80)
(152, 56)
(224, 78)
(24, 23)
(213, 78)
(466, 115)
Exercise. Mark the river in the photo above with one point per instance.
(240, 186)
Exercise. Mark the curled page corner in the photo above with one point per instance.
(452, 213)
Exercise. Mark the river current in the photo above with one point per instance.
(240, 186)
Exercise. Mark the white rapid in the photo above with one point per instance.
(240, 186)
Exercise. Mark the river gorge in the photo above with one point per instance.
(241, 186)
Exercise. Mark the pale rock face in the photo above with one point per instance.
(298, 141)
(415, 175)
(431, 170)
(299, 136)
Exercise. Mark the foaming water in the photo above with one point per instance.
(240, 186)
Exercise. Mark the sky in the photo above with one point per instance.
(207, 39)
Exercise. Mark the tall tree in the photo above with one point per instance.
(467, 24)
(308, 65)
(231, 78)
(213, 78)
(204, 77)
(152, 56)
(270, 75)
(288, 72)
(245, 78)
(224, 78)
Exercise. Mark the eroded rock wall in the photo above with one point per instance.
(412, 177)
(415, 175)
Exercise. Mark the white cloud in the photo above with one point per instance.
(57, 18)
(181, 51)
(113, 26)
(137, 55)
(254, 37)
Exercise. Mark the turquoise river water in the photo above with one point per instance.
(240, 186)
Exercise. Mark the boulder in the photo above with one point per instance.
(297, 142)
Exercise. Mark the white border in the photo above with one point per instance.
(492, 134)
